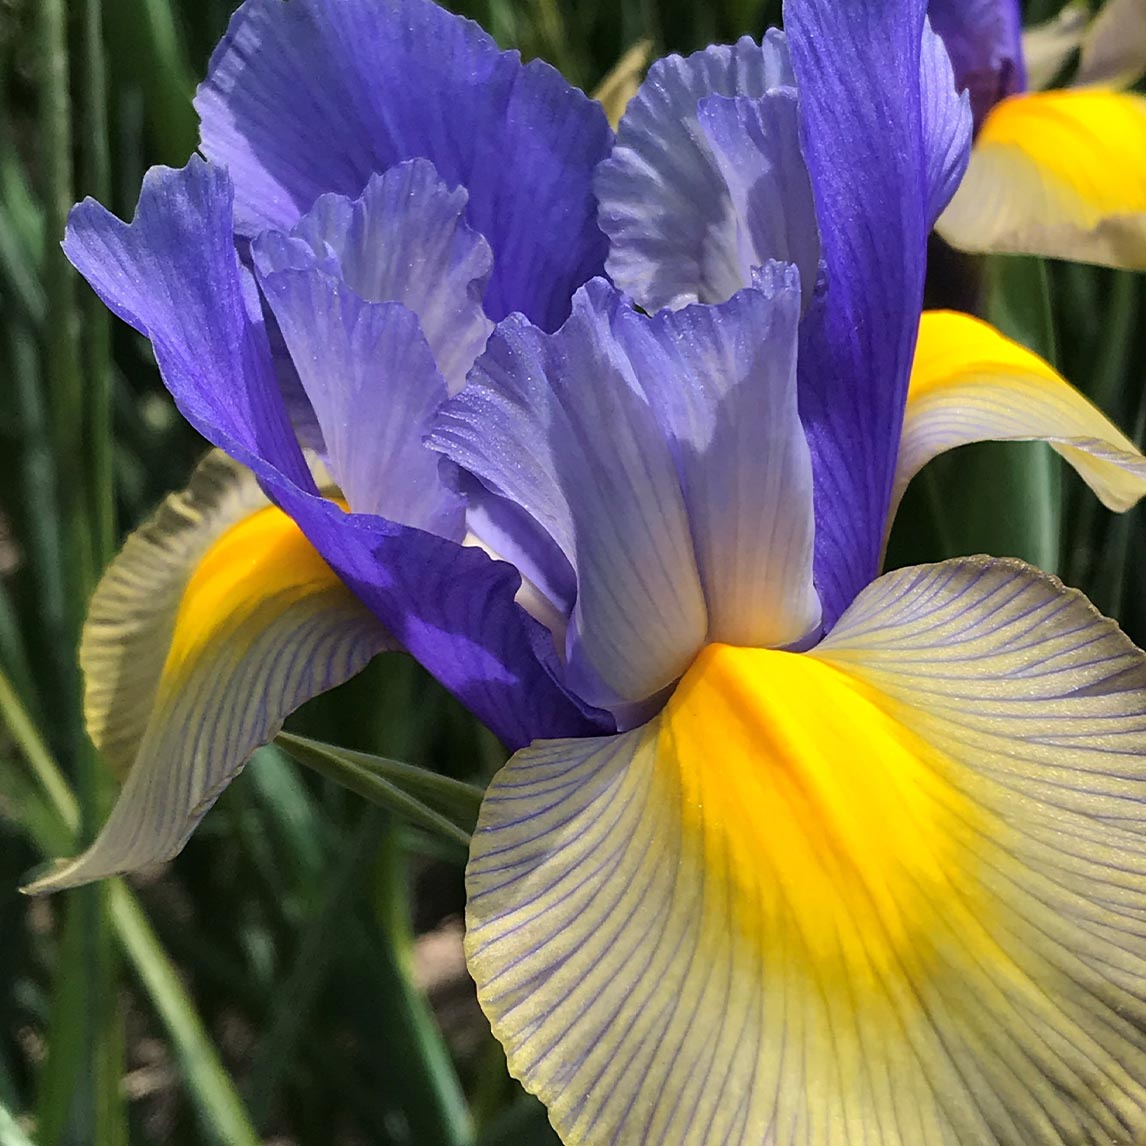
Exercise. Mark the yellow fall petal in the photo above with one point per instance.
(970, 383)
(889, 892)
(216, 620)
(1058, 173)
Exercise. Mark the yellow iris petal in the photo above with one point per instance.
(1058, 173)
(892, 891)
(969, 383)
(216, 620)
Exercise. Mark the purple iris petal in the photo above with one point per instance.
(873, 126)
(559, 424)
(665, 458)
(672, 224)
(174, 275)
(985, 41)
(756, 146)
(308, 97)
(403, 240)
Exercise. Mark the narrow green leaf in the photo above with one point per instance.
(210, 1088)
(436, 1107)
(317, 951)
(222, 1116)
(439, 803)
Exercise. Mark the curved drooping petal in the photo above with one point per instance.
(1061, 174)
(1114, 47)
(892, 892)
(174, 275)
(683, 199)
(666, 460)
(969, 383)
(985, 41)
(881, 127)
(404, 240)
(214, 623)
(308, 97)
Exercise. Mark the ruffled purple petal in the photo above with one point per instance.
(756, 146)
(672, 223)
(874, 129)
(404, 240)
(560, 425)
(665, 459)
(174, 275)
(308, 97)
(985, 42)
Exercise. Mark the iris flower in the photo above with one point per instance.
(1059, 173)
(787, 850)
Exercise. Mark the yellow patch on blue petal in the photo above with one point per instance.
(1058, 173)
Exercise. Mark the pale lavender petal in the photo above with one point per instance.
(722, 381)
(756, 146)
(404, 240)
(560, 425)
(671, 221)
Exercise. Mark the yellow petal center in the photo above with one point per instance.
(262, 558)
(834, 826)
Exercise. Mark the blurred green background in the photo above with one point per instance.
(295, 977)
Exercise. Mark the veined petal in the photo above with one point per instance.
(308, 97)
(215, 622)
(722, 381)
(890, 892)
(672, 223)
(880, 122)
(1114, 47)
(173, 273)
(403, 240)
(560, 425)
(969, 383)
(984, 39)
(1059, 173)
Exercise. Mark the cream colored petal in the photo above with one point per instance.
(1114, 48)
(1061, 174)
(969, 383)
(892, 892)
(1048, 46)
(216, 620)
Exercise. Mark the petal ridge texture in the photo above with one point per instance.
(889, 892)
